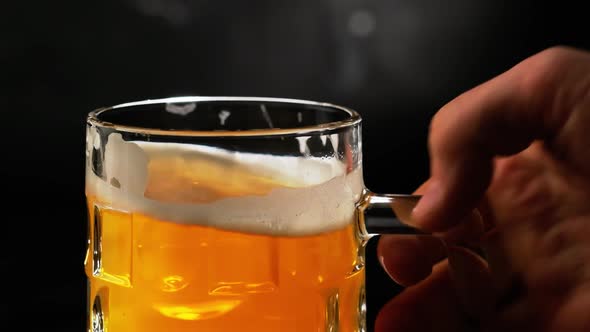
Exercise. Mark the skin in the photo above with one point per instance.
(508, 204)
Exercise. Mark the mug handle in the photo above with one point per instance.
(386, 214)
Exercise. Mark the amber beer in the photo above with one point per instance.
(183, 238)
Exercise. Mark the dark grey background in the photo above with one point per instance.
(394, 61)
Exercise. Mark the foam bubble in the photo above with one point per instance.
(256, 193)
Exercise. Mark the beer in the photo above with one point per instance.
(195, 238)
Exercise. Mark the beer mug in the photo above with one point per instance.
(225, 214)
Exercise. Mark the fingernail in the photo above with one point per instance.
(384, 266)
(460, 273)
(430, 199)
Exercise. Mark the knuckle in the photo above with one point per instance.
(522, 190)
(542, 71)
(439, 127)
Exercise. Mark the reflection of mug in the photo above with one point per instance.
(229, 214)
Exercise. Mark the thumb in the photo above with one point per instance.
(532, 101)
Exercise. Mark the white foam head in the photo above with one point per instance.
(279, 195)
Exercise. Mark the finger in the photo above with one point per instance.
(408, 259)
(525, 103)
(428, 306)
(502, 273)
(467, 232)
(486, 214)
(472, 282)
(403, 208)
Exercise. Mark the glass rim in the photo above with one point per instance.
(352, 119)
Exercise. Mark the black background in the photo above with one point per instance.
(404, 60)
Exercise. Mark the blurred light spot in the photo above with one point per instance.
(361, 23)
(176, 12)
(173, 283)
(266, 115)
(197, 311)
(223, 115)
(181, 109)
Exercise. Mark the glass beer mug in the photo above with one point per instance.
(219, 214)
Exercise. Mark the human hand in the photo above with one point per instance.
(510, 178)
